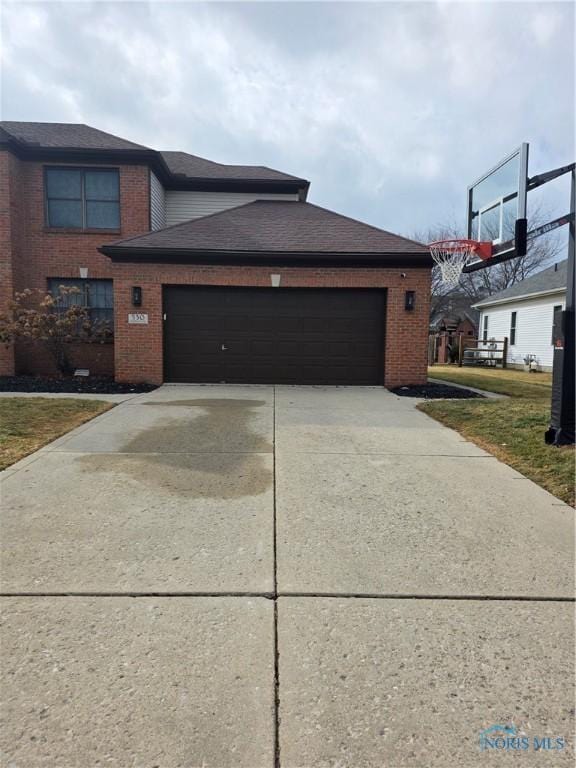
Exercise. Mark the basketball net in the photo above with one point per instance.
(453, 255)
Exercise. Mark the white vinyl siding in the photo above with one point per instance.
(183, 206)
(157, 203)
(534, 320)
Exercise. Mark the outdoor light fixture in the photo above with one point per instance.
(83, 272)
(275, 279)
(136, 296)
(409, 300)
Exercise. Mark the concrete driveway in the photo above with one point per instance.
(264, 577)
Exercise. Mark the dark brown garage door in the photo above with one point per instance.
(273, 336)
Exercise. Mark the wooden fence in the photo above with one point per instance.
(489, 353)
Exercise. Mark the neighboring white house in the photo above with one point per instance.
(524, 314)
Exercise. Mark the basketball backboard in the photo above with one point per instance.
(496, 209)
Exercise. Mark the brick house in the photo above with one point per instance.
(210, 272)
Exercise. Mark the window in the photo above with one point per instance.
(96, 295)
(485, 329)
(513, 328)
(555, 320)
(82, 198)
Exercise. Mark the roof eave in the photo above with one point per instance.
(277, 258)
(522, 297)
(155, 160)
(27, 151)
(288, 186)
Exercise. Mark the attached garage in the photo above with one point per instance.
(273, 335)
(271, 292)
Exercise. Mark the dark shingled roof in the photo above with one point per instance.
(180, 166)
(274, 226)
(553, 278)
(191, 166)
(65, 136)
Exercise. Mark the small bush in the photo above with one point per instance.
(54, 322)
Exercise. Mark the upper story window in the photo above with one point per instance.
(83, 198)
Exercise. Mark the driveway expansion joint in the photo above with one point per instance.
(275, 596)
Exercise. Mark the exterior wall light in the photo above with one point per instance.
(409, 300)
(136, 296)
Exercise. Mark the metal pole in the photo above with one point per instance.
(561, 431)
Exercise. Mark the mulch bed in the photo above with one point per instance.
(435, 392)
(93, 385)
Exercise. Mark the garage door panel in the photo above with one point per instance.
(261, 347)
(309, 336)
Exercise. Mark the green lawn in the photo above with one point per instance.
(28, 423)
(506, 382)
(512, 429)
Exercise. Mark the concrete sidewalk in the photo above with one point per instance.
(280, 576)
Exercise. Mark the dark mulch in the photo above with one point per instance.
(435, 392)
(94, 385)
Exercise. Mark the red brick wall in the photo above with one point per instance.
(33, 253)
(10, 236)
(35, 359)
(138, 348)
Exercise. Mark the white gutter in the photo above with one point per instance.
(522, 297)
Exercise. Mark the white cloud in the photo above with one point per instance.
(390, 109)
(544, 24)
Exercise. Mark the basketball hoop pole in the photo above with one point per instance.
(562, 418)
(561, 429)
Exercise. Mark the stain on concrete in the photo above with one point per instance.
(210, 452)
(208, 402)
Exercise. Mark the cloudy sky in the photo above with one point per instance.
(390, 109)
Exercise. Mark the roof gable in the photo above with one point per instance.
(274, 226)
(280, 233)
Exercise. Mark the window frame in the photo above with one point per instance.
(82, 169)
(83, 283)
(485, 329)
(513, 327)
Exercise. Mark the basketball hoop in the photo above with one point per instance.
(453, 255)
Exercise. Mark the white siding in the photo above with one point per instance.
(157, 203)
(534, 319)
(183, 206)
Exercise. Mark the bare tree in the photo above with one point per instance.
(485, 282)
